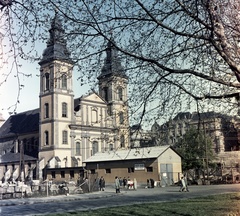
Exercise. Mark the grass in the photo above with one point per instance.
(218, 205)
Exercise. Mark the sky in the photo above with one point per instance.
(30, 85)
(29, 93)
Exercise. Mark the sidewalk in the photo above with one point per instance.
(70, 197)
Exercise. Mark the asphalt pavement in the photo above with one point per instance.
(195, 191)
(57, 198)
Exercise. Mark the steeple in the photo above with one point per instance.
(56, 45)
(112, 64)
(56, 100)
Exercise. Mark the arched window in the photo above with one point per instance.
(65, 137)
(121, 118)
(77, 148)
(47, 81)
(64, 81)
(122, 141)
(120, 93)
(46, 110)
(94, 147)
(105, 92)
(94, 115)
(64, 109)
(46, 138)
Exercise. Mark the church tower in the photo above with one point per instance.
(56, 100)
(113, 83)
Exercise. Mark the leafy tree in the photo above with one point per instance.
(185, 53)
(196, 149)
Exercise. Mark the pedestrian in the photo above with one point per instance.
(124, 182)
(101, 184)
(152, 183)
(120, 181)
(117, 185)
(183, 185)
(186, 183)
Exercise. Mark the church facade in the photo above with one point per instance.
(69, 129)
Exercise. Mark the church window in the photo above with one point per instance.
(46, 110)
(94, 115)
(64, 81)
(46, 138)
(64, 109)
(94, 147)
(77, 148)
(122, 141)
(121, 119)
(65, 137)
(47, 81)
(120, 93)
(105, 92)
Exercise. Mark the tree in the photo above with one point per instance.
(178, 54)
(196, 149)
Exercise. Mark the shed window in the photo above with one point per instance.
(149, 169)
(93, 171)
(130, 169)
(108, 170)
(139, 167)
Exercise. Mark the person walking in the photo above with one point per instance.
(183, 185)
(101, 183)
(186, 183)
(117, 184)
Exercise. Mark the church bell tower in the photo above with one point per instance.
(56, 100)
(113, 83)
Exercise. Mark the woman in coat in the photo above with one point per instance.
(117, 184)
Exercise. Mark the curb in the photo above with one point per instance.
(59, 198)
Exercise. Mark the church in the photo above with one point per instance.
(64, 131)
(68, 138)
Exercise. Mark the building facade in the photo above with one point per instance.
(222, 129)
(160, 163)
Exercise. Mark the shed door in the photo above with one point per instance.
(166, 172)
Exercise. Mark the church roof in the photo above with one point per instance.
(56, 46)
(21, 123)
(112, 64)
(130, 154)
(92, 96)
(14, 157)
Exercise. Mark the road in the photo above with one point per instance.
(109, 198)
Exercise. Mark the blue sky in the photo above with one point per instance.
(29, 93)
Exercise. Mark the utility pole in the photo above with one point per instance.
(206, 151)
(22, 163)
